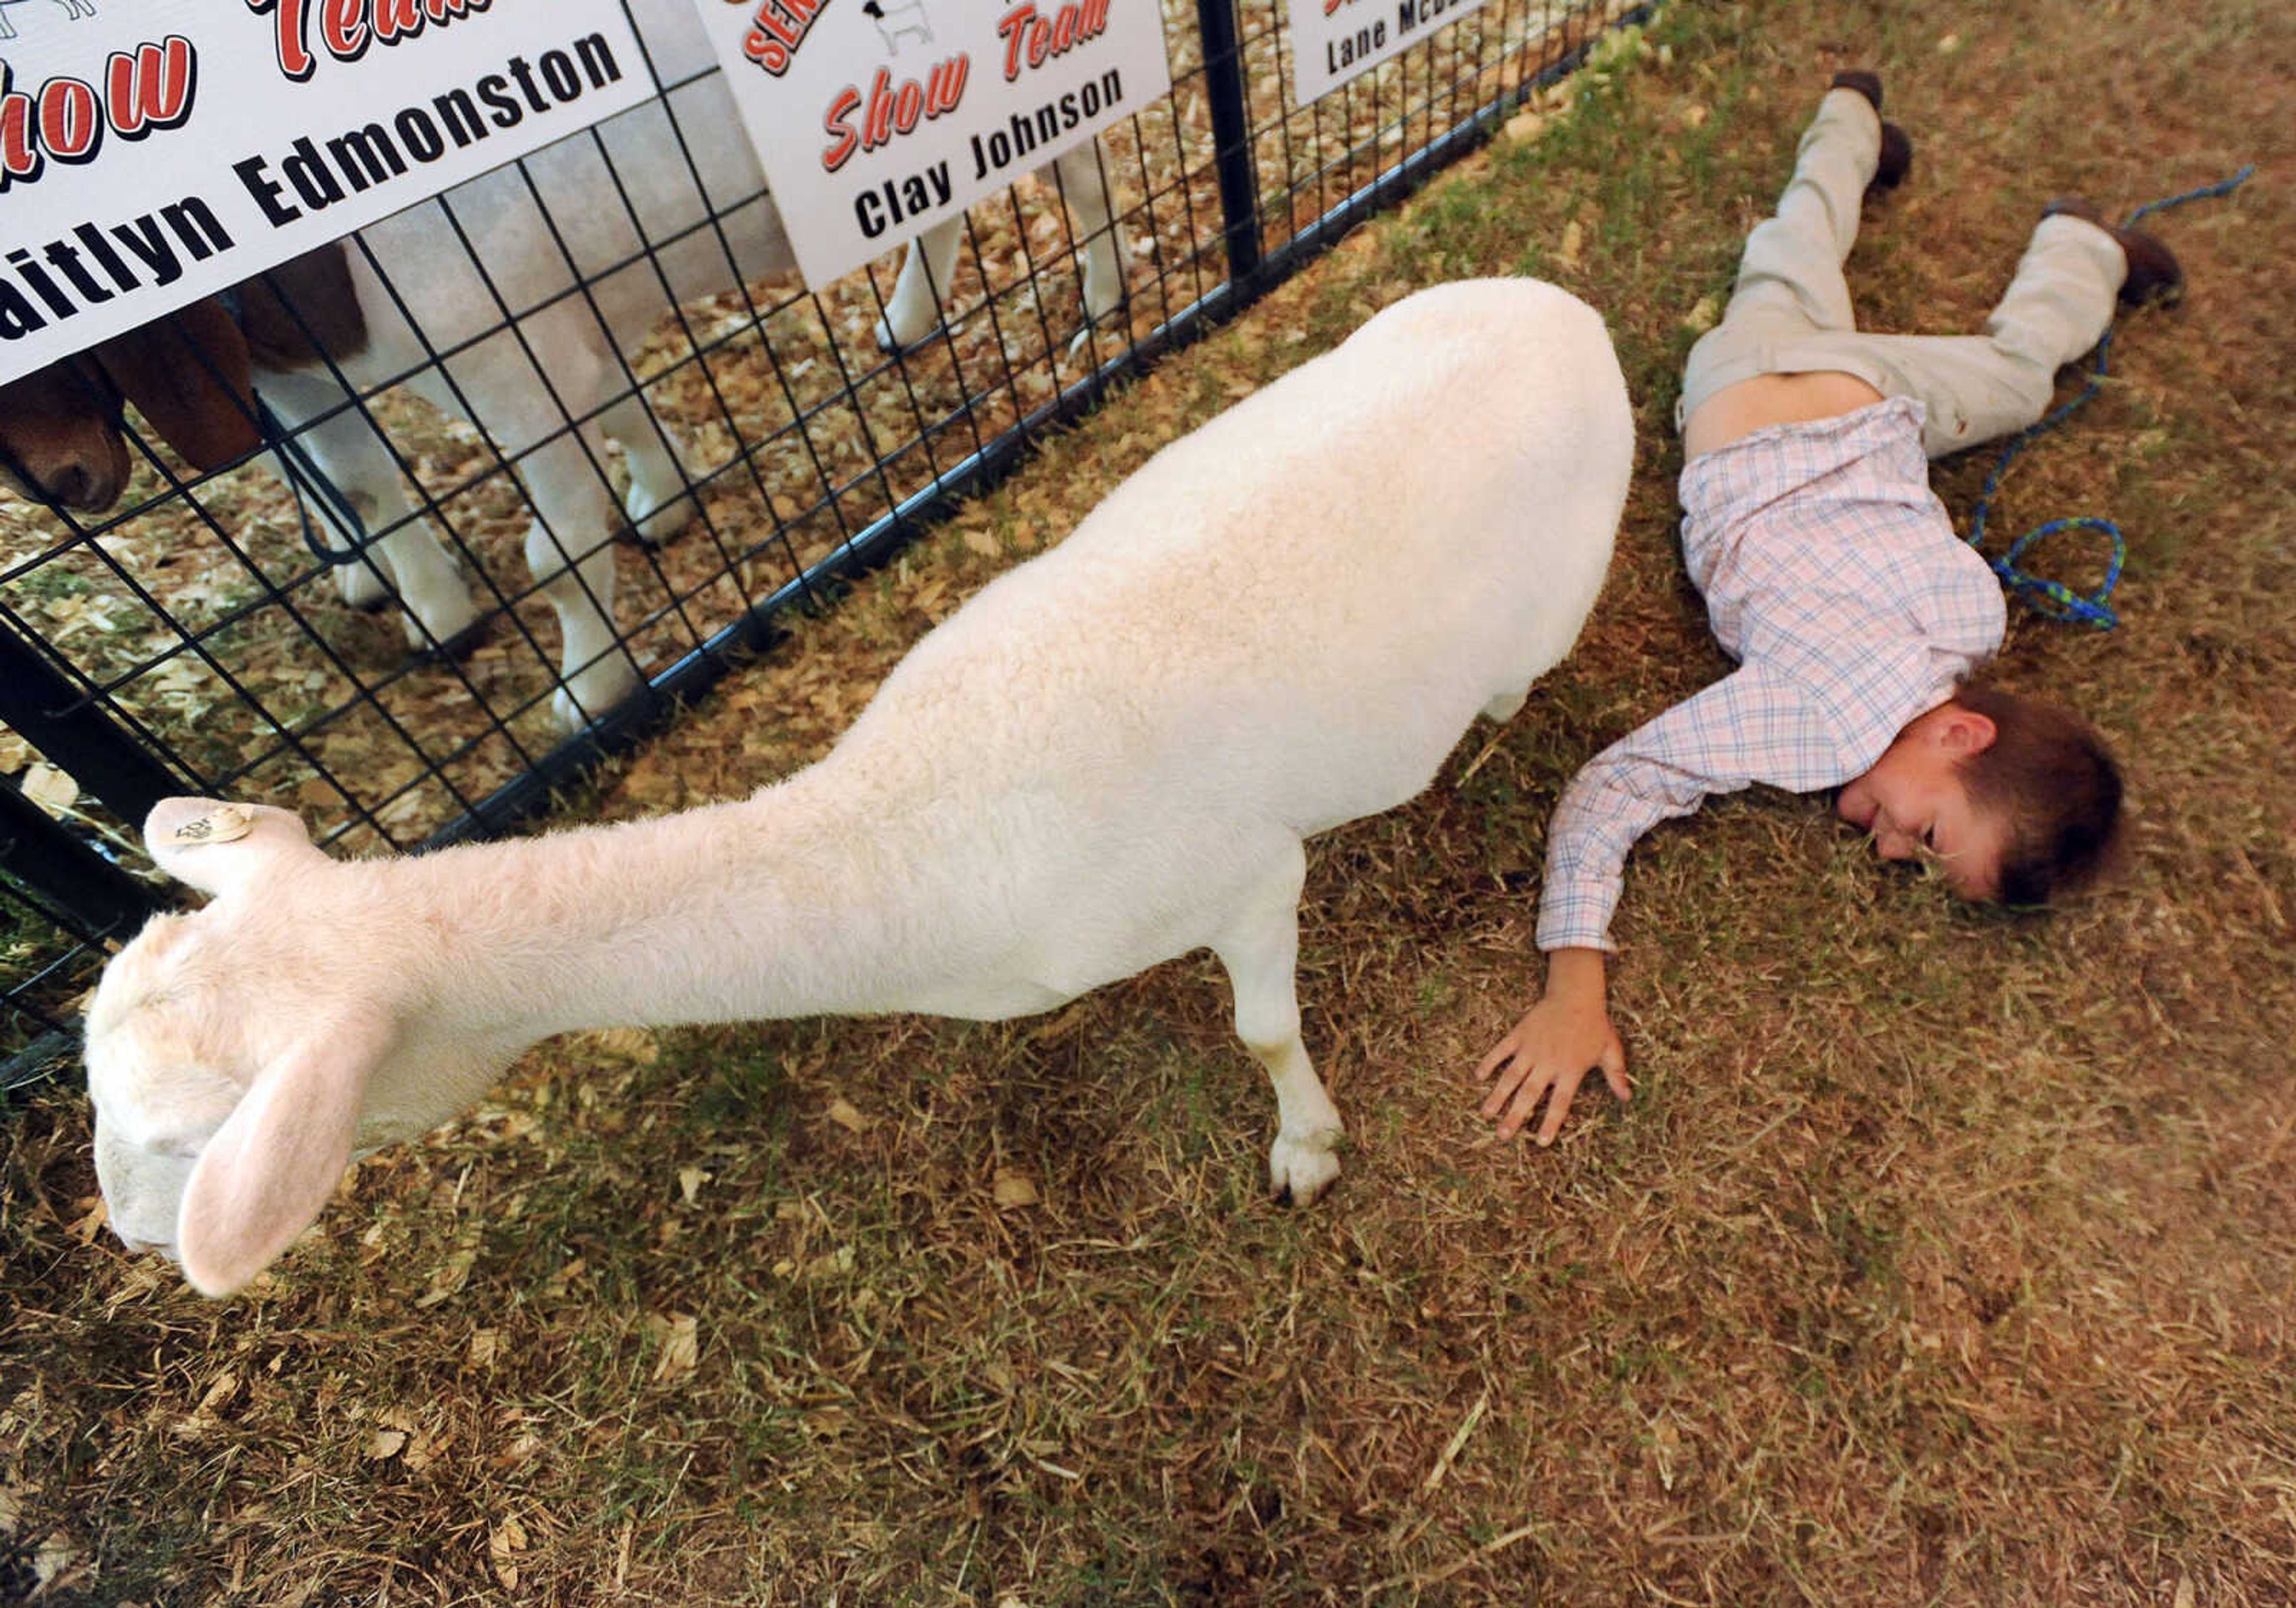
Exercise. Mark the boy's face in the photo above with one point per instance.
(1914, 805)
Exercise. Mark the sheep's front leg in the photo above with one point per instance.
(569, 550)
(344, 447)
(1084, 185)
(915, 313)
(1261, 954)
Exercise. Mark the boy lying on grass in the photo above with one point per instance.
(1832, 575)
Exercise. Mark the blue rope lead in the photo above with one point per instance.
(2053, 598)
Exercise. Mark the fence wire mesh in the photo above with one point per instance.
(494, 581)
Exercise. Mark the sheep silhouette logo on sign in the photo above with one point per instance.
(902, 20)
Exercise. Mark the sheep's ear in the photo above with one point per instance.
(277, 1157)
(188, 375)
(216, 846)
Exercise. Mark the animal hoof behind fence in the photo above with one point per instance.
(891, 348)
(361, 589)
(457, 649)
(1112, 322)
(652, 530)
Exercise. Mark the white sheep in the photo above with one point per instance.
(1109, 757)
(514, 244)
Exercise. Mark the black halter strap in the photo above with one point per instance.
(305, 477)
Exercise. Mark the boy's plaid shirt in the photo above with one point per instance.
(1832, 575)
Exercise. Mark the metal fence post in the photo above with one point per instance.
(41, 704)
(1239, 186)
(80, 889)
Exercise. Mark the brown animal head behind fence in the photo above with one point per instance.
(63, 430)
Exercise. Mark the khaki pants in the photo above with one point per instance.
(1790, 313)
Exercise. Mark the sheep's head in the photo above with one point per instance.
(226, 1100)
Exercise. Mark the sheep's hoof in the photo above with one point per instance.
(1300, 1169)
(1113, 318)
(594, 693)
(652, 528)
(892, 346)
(566, 715)
(457, 649)
(361, 589)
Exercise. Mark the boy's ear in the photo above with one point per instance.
(1962, 731)
(216, 846)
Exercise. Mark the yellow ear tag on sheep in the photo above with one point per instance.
(225, 823)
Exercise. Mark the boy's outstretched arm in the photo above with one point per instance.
(1558, 1041)
(1751, 726)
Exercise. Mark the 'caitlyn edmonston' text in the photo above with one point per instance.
(68, 275)
(366, 156)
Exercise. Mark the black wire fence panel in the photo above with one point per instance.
(233, 633)
(49, 964)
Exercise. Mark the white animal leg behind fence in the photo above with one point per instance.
(343, 447)
(657, 504)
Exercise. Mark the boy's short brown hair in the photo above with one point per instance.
(2048, 776)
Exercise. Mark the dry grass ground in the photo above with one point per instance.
(1942, 1258)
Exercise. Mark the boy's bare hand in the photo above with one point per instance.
(1550, 1052)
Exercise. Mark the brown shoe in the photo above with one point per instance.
(1896, 145)
(1897, 159)
(1866, 84)
(2153, 272)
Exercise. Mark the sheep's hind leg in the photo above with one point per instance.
(569, 544)
(1261, 953)
(571, 556)
(1107, 261)
(660, 503)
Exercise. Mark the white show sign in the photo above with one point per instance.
(875, 119)
(1333, 41)
(155, 152)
